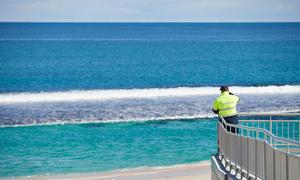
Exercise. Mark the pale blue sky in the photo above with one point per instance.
(150, 10)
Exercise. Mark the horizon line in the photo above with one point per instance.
(150, 22)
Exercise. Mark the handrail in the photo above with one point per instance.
(289, 114)
(286, 120)
(266, 132)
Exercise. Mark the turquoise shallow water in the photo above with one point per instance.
(58, 149)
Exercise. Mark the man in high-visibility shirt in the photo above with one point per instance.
(225, 106)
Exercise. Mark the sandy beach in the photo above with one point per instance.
(200, 171)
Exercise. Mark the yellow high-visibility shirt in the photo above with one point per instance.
(226, 104)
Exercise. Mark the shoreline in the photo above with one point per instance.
(193, 171)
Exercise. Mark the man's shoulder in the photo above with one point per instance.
(222, 96)
(219, 97)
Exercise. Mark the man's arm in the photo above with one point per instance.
(237, 98)
(215, 108)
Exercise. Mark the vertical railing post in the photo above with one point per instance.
(256, 161)
(288, 131)
(282, 132)
(274, 162)
(241, 157)
(270, 122)
(287, 162)
(236, 150)
(247, 154)
(293, 132)
(265, 158)
(230, 162)
(218, 139)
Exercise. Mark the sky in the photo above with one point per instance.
(150, 10)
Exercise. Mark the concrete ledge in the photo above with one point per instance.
(218, 171)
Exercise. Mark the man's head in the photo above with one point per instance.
(224, 88)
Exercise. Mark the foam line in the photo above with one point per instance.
(169, 118)
(100, 95)
(200, 117)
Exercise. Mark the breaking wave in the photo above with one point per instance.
(101, 95)
(89, 106)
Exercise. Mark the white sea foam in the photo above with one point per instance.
(101, 95)
(199, 117)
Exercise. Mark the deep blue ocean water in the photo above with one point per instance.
(65, 56)
(95, 73)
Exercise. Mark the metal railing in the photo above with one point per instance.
(275, 124)
(254, 151)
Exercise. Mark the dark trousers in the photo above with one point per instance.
(231, 120)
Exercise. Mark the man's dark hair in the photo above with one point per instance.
(224, 88)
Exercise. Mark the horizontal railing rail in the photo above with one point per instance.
(288, 114)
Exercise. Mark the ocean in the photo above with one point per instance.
(95, 97)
